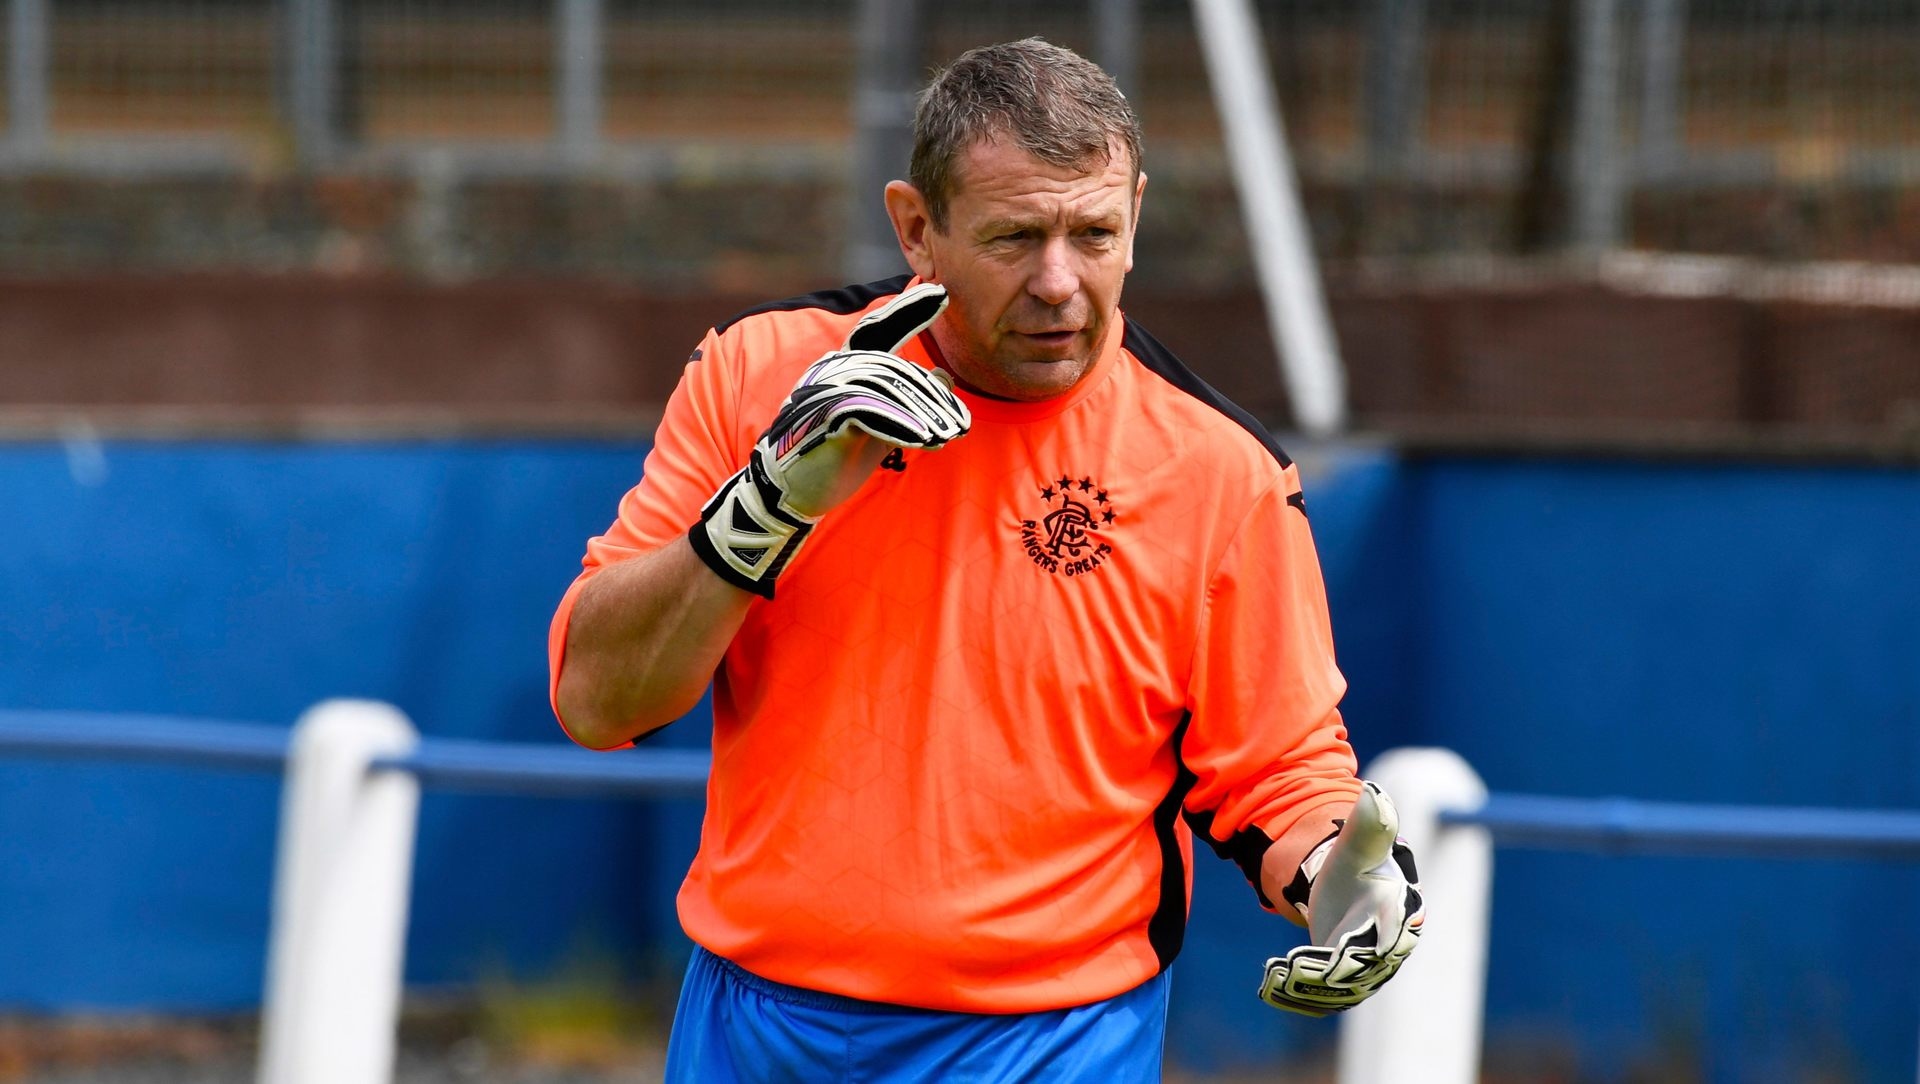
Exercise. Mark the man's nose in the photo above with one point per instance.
(1054, 281)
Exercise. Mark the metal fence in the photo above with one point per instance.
(1771, 127)
(348, 820)
(1751, 161)
(349, 815)
(1427, 1025)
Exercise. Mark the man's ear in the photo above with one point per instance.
(1139, 193)
(912, 222)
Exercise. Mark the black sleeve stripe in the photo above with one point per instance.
(843, 301)
(1167, 926)
(1246, 848)
(1162, 361)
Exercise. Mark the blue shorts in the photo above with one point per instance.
(734, 1027)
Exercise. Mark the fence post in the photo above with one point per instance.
(340, 892)
(1663, 28)
(1425, 1024)
(29, 41)
(580, 48)
(312, 76)
(889, 36)
(1395, 88)
(1599, 181)
(1116, 43)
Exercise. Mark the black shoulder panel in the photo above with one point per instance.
(845, 300)
(1162, 361)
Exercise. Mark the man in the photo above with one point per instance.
(970, 702)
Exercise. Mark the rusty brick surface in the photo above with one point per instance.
(1567, 353)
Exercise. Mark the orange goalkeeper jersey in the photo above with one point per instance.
(957, 760)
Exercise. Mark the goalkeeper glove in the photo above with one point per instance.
(1361, 897)
(817, 452)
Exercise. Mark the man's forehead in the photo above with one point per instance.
(997, 170)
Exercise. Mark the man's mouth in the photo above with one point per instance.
(1052, 339)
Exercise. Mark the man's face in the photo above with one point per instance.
(1033, 257)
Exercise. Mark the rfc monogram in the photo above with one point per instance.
(1066, 540)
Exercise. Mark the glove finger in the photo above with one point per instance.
(1404, 945)
(955, 408)
(934, 404)
(1351, 965)
(1367, 839)
(803, 423)
(1309, 960)
(1402, 918)
(876, 368)
(1369, 966)
(1367, 982)
(883, 418)
(893, 324)
(1281, 985)
(1359, 869)
(911, 386)
(1308, 979)
(1359, 945)
(861, 365)
(1390, 914)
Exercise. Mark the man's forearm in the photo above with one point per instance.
(644, 639)
(646, 635)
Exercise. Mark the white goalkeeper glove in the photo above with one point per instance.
(848, 410)
(1361, 897)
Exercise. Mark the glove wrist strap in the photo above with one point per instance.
(746, 533)
(1299, 891)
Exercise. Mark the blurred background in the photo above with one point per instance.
(331, 329)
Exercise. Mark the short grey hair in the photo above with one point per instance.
(1051, 102)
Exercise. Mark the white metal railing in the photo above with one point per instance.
(355, 769)
(348, 820)
(1426, 1024)
(345, 864)
(345, 871)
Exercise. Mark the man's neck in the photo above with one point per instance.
(939, 356)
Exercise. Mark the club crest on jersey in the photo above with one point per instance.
(1067, 539)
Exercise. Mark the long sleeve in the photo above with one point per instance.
(696, 448)
(1264, 741)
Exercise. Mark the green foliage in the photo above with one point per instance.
(584, 1015)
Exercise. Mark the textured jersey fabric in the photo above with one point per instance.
(957, 757)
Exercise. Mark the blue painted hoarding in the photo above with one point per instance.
(1738, 634)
